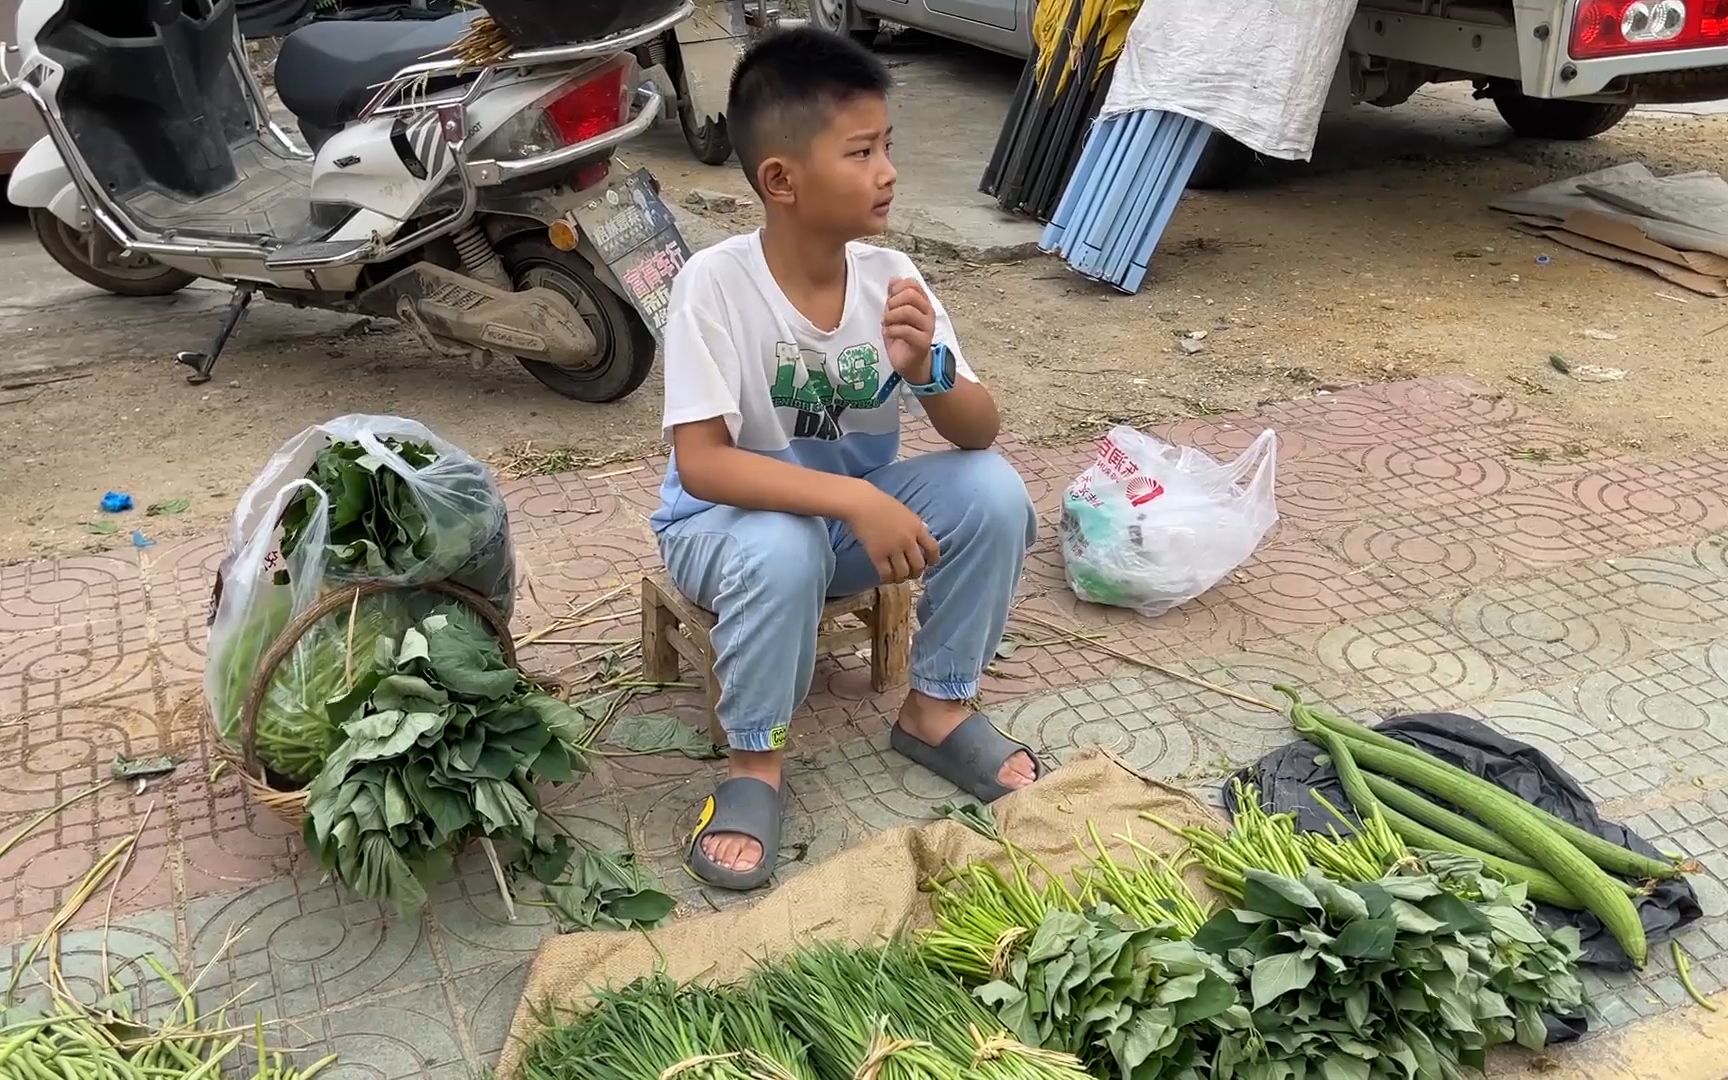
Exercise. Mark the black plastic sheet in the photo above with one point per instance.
(1286, 775)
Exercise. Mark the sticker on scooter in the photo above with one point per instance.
(506, 337)
(638, 240)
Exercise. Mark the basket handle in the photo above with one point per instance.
(328, 604)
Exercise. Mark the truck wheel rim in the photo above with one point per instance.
(829, 14)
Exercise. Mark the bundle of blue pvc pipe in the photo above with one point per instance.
(1124, 189)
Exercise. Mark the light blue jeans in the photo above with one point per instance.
(765, 576)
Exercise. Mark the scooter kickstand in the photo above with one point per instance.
(201, 363)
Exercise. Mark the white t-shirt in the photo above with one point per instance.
(737, 348)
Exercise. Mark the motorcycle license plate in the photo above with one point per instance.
(634, 232)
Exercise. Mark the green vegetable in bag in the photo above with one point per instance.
(444, 521)
(295, 730)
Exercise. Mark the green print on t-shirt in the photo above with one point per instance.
(859, 379)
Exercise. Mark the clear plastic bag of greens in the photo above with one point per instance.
(359, 499)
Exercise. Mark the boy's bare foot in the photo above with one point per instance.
(931, 720)
(735, 851)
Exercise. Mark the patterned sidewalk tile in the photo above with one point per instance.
(1675, 698)
(1680, 827)
(1442, 548)
(1540, 630)
(45, 594)
(1410, 660)
(305, 947)
(101, 657)
(1616, 764)
(1300, 586)
(1423, 555)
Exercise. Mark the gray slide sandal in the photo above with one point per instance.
(969, 758)
(748, 807)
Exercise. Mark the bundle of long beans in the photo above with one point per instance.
(830, 997)
(77, 1042)
(651, 1028)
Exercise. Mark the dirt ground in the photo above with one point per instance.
(1380, 261)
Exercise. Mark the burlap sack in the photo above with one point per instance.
(864, 894)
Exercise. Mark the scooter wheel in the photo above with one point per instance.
(625, 345)
(123, 275)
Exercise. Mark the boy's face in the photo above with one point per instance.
(842, 185)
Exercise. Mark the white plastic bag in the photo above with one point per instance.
(465, 539)
(1149, 526)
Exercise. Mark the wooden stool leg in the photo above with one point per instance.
(659, 656)
(891, 638)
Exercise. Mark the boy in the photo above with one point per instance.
(788, 354)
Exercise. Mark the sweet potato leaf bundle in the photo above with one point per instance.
(1128, 999)
(442, 742)
(1406, 977)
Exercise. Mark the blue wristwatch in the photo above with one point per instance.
(941, 377)
(941, 374)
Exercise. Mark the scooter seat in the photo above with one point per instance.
(328, 71)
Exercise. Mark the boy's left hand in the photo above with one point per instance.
(908, 325)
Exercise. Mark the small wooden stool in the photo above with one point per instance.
(675, 630)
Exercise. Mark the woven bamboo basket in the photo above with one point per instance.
(290, 803)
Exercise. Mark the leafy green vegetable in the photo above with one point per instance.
(608, 892)
(972, 815)
(1127, 999)
(168, 507)
(442, 742)
(1405, 977)
(444, 520)
(658, 733)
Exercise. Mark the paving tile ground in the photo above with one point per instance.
(1441, 548)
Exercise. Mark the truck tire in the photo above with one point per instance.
(1224, 164)
(707, 139)
(840, 17)
(1548, 118)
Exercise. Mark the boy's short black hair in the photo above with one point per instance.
(786, 87)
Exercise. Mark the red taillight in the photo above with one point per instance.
(1619, 27)
(591, 107)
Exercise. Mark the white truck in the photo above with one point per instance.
(1556, 69)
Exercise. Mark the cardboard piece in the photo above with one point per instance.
(1686, 213)
(1676, 273)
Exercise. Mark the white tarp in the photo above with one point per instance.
(1257, 70)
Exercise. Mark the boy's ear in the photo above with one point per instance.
(774, 180)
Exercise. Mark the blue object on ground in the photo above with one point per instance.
(1131, 174)
(115, 502)
(139, 540)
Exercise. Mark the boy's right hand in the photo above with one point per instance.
(896, 539)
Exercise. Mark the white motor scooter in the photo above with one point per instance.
(475, 204)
